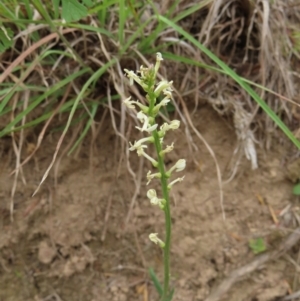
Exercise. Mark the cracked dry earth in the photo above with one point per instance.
(69, 242)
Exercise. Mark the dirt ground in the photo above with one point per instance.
(72, 242)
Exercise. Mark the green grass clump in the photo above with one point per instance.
(131, 34)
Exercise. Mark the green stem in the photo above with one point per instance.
(164, 184)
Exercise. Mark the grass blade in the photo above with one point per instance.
(87, 127)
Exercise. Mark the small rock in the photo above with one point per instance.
(46, 253)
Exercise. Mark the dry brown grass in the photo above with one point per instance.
(253, 37)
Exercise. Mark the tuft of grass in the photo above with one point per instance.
(238, 79)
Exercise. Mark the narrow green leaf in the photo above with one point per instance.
(156, 282)
(87, 127)
(56, 8)
(28, 8)
(5, 11)
(296, 189)
(122, 20)
(5, 38)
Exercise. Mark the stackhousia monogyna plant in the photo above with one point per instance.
(146, 78)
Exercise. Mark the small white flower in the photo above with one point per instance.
(140, 142)
(136, 146)
(153, 237)
(144, 119)
(152, 128)
(140, 152)
(141, 116)
(163, 85)
(164, 127)
(151, 194)
(164, 102)
(167, 93)
(131, 104)
(168, 149)
(174, 125)
(174, 182)
(133, 77)
(154, 200)
(168, 89)
(159, 57)
(144, 71)
(148, 129)
(151, 176)
(179, 166)
(157, 64)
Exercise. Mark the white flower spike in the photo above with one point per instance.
(147, 77)
(153, 237)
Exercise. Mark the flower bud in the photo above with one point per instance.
(153, 237)
(154, 200)
(151, 193)
(179, 166)
(157, 65)
(174, 125)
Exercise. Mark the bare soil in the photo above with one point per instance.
(71, 241)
